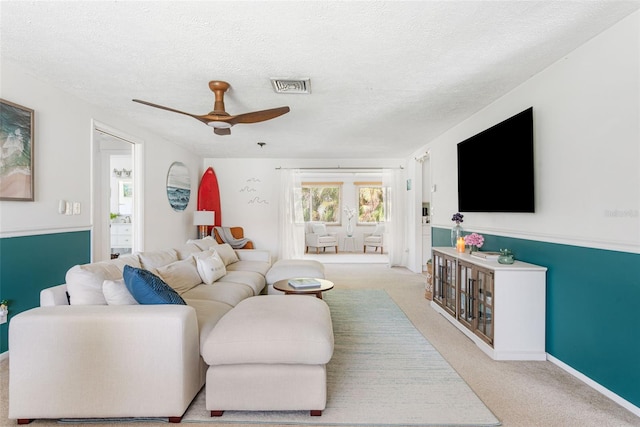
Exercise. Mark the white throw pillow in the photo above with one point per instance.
(226, 252)
(379, 231)
(180, 275)
(211, 268)
(116, 293)
(155, 259)
(203, 254)
(320, 229)
(204, 243)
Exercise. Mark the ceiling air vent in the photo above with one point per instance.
(291, 85)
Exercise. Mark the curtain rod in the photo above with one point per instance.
(342, 167)
(104, 132)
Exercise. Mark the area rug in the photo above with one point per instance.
(383, 373)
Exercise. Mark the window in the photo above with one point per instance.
(370, 202)
(321, 201)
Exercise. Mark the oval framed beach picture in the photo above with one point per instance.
(178, 186)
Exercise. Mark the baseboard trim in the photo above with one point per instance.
(598, 387)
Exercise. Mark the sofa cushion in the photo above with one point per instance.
(255, 266)
(84, 282)
(210, 268)
(293, 329)
(187, 250)
(116, 293)
(320, 229)
(147, 288)
(289, 268)
(180, 275)
(205, 243)
(252, 279)
(227, 253)
(327, 239)
(155, 259)
(208, 314)
(226, 292)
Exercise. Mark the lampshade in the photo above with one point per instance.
(204, 218)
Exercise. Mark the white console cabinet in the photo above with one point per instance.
(501, 307)
(121, 235)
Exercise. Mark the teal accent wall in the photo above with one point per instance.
(31, 263)
(592, 312)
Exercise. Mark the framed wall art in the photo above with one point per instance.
(16, 152)
(178, 186)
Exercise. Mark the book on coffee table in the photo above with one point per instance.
(304, 283)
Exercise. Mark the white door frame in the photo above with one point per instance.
(101, 236)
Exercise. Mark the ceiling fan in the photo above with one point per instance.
(219, 119)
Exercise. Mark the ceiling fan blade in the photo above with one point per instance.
(259, 116)
(219, 119)
(173, 110)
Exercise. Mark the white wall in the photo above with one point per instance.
(250, 190)
(587, 146)
(63, 165)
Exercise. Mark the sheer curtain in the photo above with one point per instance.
(395, 235)
(290, 220)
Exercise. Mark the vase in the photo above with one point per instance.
(506, 257)
(349, 229)
(456, 233)
(474, 248)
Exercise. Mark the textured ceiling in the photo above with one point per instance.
(386, 77)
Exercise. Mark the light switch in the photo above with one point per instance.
(62, 207)
(68, 208)
(76, 208)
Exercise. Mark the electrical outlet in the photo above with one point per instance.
(76, 208)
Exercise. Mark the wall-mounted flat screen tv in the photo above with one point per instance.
(495, 167)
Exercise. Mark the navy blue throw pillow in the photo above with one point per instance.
(147, 288)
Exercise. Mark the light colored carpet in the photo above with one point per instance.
(519, 393)
(383, 372)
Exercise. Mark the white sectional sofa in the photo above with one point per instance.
(91, 351)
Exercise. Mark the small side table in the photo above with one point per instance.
(349, 242)
(284, 286)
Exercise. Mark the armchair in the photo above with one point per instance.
(237, 232)
(375, 239)
(316, 236)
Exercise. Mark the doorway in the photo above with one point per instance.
(117, 194)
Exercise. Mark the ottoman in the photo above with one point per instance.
(269, 353)
(290, 268)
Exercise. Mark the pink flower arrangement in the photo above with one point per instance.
(474, 239)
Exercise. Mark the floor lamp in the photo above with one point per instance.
(203, 219)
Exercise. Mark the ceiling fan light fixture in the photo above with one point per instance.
(293, 85)
(219, 124)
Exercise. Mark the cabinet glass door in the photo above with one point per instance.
(449, 284)
(466, 283)
(486, 302)
(444, 282)
(438, 274)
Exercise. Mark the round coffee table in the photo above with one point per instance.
(284, 286)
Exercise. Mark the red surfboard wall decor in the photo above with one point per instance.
(209, 196)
